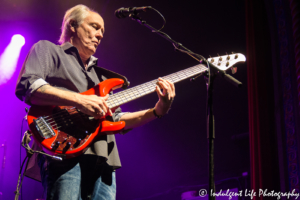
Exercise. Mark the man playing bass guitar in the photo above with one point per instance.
(56, 75)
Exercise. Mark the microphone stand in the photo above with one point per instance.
(211, 74)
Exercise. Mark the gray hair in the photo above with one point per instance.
(77, 14)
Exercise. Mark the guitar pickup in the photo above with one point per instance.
(45, 130)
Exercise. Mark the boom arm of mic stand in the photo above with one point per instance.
(142, 22)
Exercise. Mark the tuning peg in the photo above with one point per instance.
(233, 70)
(220, 59)
(212, 60)
(236, 55)
(228, 57)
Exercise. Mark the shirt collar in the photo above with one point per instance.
(67, 45)
(93, 60)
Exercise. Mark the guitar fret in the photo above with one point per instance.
(180, 75)
(174, 76)
(109, 104)
(175, 80)
(190, 72)
(125, 95)
(183, 71)
(113, 103)
(169, 77)
(143, 89)
(123, 98)
(119, 99)
(140, 91)
(115, 99)
(149, 86)
(201, 68)
(130, 95)
(196, 70)
(136, 92)
(154, 84)
(146, 85)
(109, 101)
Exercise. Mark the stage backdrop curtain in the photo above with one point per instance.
(262, 134)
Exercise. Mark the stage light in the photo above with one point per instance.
(9, 58)
(18, 40)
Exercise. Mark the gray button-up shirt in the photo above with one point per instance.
(61, 67)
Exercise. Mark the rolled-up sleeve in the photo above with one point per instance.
(117, 116)
(34, 71)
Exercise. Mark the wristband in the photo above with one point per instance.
(156, 115)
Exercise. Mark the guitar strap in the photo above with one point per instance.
(110, 74)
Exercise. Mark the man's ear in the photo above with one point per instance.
(73, 25)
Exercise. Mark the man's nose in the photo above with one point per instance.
(99, 34)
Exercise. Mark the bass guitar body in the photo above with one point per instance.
(67, 132)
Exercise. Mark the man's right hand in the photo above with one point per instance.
(92, 105)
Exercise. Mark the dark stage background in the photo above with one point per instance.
(167, 156)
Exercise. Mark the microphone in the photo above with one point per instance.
(125, 12)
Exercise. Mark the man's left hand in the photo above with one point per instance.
(166, 96)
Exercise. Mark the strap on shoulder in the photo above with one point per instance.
(110, 74)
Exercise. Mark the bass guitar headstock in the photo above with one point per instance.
(227, 61)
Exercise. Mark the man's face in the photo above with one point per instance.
(88, 34)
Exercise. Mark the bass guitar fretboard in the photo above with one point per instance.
(136, 92)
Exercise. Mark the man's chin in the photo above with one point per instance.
(93, 50)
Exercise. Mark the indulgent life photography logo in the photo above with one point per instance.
(250, 193)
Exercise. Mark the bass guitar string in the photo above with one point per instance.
(61, 121)
(75, 117)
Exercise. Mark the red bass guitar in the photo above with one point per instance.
(67, 132)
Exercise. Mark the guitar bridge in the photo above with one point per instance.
(44, 129)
